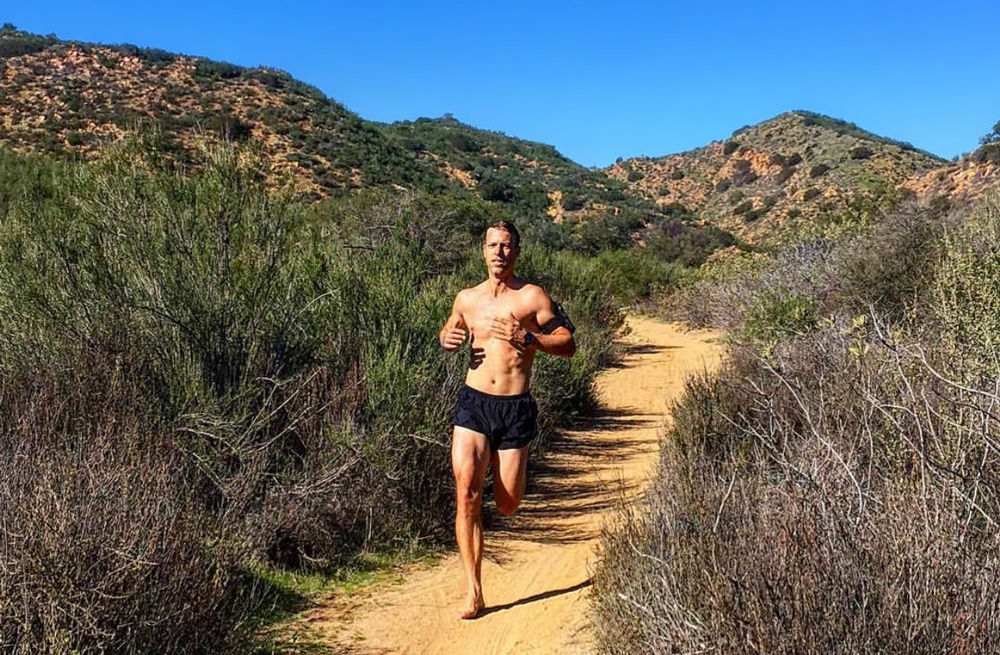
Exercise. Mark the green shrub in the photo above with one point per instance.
(497, 189)
(674, 240)
(967, 291)
(674, 209)
(989, 153)
(574, 201)
(742, 173)
(818, 170)
(210, 70)
(861, 152)
(230, 128)
(780, 313)
(14, 42)
(992, 137)
(889, 266)
(241, 336)
(784, 174)
(462, 142)
(850, 129)
(810, 193)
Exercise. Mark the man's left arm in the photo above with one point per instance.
(555, 335)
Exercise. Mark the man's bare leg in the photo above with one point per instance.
(470, 455)
(510, 469)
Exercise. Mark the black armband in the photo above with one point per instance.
(558, 321)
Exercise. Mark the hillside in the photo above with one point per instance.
(769, 179)
(964, 180)
(505, 169)
(68, 98)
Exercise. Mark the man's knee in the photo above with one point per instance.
(468, 495)
(507, 504)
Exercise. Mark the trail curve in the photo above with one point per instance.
(537, 566)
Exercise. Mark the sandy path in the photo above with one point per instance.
(537, 566)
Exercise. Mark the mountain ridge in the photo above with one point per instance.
(773, 178)
(68, 98)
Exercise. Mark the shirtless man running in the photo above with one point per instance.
(509, 320)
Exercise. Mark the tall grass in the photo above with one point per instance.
(199, 375)
(836, 486)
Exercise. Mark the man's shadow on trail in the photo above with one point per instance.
(559, 487)
(631, 350)
(537, 597)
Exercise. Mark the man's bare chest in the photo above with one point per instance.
(484, 310)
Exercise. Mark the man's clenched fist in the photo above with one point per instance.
(453, 339)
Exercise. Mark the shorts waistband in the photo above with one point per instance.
(483, 394)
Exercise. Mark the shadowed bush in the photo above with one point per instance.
(890, 266)
(106, 545)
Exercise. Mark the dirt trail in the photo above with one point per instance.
(537, 566)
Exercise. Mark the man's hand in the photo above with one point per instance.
(510, 330)
(453, 338)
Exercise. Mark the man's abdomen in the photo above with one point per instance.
(501, 369)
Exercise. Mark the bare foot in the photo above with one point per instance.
(473, 607)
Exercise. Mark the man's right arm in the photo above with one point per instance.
(452, 334)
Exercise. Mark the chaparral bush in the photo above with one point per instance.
(835, 486)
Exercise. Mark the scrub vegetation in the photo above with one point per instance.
(205, 381)
(835, 487)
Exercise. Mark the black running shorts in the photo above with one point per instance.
(507, 421)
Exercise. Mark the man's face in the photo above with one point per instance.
(499, 251)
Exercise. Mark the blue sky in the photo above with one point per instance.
(598, 80)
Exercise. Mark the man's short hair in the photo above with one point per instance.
(506, 226)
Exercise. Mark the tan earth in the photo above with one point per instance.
(538, 566)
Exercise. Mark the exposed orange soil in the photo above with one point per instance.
(538, 566)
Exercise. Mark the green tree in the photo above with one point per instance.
(992, 137)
